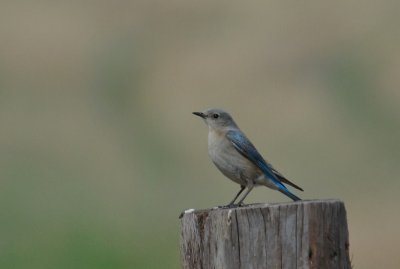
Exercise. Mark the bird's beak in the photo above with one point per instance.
(200, 114)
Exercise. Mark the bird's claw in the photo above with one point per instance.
(230, 206)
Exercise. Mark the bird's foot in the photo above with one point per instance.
(241, 204)
(230, 206)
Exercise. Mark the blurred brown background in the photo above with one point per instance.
(99, 151)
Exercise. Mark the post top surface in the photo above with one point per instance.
(262, 205)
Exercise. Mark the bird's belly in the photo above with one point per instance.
(234, 166)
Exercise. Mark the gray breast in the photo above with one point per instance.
(230, 162)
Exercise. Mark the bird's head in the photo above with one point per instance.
(216, 118)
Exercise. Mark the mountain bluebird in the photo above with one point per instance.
(236, 157)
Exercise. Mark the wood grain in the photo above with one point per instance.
(305, 234)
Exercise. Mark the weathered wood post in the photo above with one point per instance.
(305, 234)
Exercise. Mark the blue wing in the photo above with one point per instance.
(243, 145)
(247, 149)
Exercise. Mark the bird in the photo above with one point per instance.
(237, 158)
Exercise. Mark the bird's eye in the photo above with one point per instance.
(215, 116)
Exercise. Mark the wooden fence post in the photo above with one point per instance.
(305, 234)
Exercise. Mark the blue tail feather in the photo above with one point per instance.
(289, 194)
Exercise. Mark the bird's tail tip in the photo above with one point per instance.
(290, 195)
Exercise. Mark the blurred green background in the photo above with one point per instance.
(100, 153)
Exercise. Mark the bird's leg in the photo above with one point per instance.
(237, 195)
(249, 189)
